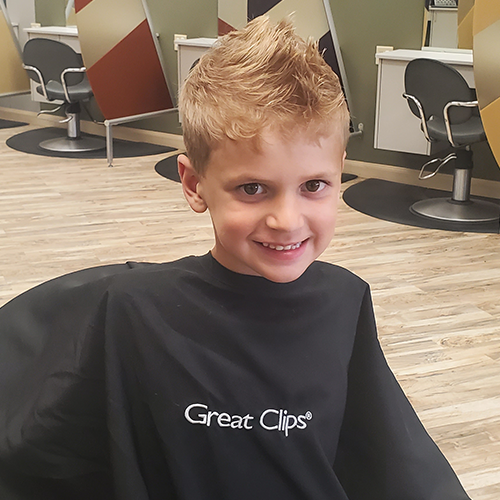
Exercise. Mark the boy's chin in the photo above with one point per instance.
(280, 275)
(279, 271)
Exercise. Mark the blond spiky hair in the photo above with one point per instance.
(259, 78)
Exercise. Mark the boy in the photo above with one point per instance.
(252, 372)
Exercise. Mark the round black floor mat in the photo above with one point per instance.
(28, 142)
(392, 201)
(10, 123)
(168, 168)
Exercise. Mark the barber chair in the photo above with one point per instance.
(59, 72)
(447, 107)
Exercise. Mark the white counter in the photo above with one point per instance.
(53, 30)
(448, 56)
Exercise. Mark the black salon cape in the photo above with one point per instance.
(187, 381)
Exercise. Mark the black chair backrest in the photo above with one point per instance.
(51, 58)
(435, 84)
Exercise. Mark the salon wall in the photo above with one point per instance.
(50, 13)
(361, 25)
(194, 18)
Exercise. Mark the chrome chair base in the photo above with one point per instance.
(80, 144)
(447, 209)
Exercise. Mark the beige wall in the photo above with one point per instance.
(50, 12)
(14, 77)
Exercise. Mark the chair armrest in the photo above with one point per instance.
(63, 79)
(417, 103)
(446, 114)
(40, 78)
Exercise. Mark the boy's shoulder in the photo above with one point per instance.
(336, 276)
(91, 284)
(93, 281)
(204, 271)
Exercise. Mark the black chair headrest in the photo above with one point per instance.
(51, 57)
(434, 84)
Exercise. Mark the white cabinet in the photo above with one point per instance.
(22, 15)
(65, 34)
(188, 51)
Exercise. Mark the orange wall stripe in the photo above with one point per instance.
(224, 28)
(80, 4)
(129, 79)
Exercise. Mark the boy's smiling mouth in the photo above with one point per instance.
(280, 248)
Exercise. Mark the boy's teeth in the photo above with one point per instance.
(281, 247)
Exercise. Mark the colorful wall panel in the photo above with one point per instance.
(122, 58)
(486, 30)
(465, 19)
(13, 77)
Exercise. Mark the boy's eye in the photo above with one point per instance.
(314, 186)
(252, 188)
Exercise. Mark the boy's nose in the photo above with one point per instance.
(285, 215)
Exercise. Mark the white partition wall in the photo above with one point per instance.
(123, 61)
(13, 77)
(22, 14)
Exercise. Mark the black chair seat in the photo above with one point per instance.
(465, 133)
(79, 92)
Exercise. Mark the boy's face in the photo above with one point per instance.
(273, 211)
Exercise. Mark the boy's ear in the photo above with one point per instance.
(190, 180)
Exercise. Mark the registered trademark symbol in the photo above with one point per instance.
(309, 415)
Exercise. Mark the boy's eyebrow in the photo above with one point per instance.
(244, 179)
(321, 175)
(252, 178)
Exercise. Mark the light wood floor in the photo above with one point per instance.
(436, 293)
